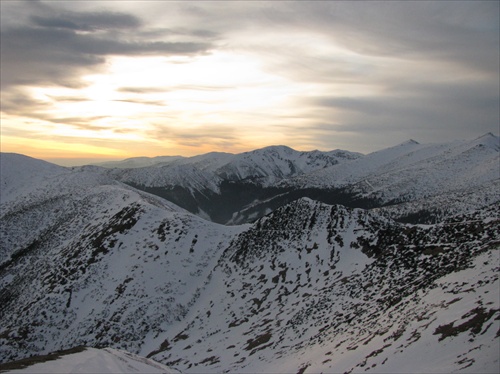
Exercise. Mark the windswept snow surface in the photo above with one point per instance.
(88, 249)
(98, 361)
(411, 170)
(323, 288)
(21, 174)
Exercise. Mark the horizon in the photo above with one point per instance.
(91, 82)
(74, 162)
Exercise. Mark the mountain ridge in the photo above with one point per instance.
(303, 285)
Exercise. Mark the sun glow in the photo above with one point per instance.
(135, 97)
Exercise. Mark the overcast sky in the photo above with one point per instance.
(85, 80)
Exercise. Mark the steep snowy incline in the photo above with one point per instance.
(21, 174)
(436, 208)
(169, 176)
(87, 360)
(49, 200)
(90, 262)
(320, 288)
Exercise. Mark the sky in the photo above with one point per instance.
(89, 81)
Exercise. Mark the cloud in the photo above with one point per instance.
(142, 102)
(461, 32)
(142, 90)
(451, 103)
(32, 55)
(190, 87)
(198, 136)
(91, 21)
(82, 123)
(58, 49)
(370, 73)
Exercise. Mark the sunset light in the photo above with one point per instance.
(102, 80)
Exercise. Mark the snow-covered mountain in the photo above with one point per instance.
(233, 189)
(274, 163)
(138, 162)
(321, 288)
(265, 166)
(87, 360)
(70, 251)
(411, 170)
(88, 260)
(218, 185)
(20, 174)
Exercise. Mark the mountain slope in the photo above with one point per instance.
(94, 254)
(20, 174)
(411, 170)
(138, 162)
(274, 163)
(327, 289)
(87, 360)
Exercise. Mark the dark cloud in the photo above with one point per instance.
(448, 104)
(88, 21)
(426, 110)
(59, 49)
(464, 32)
(47, 55)
(18, 102)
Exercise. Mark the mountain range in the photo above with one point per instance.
(272, 260)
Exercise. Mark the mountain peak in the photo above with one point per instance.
(274, 148)
(488, 140)
(409, 142)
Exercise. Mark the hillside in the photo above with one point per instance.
(328, 289)
(87, 360)
(411, 170)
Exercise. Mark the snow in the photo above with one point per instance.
(207, 171)
(102, 361)
(139, 162)
(21, 174)
(311, 285)
(411, 170)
